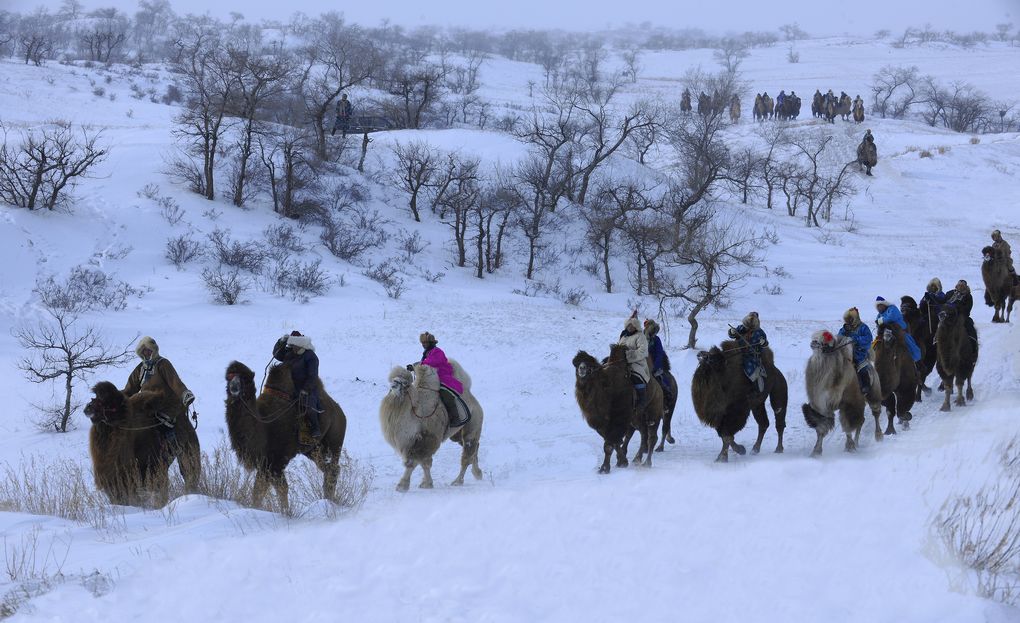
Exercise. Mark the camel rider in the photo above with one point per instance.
(753, 341)
(961, 299)
(660, 362)
(859, 332)
(154, 365)
(637, 359)
(450, 388)
(890, 314)
(304, 372)
(998, 244)
(933, 293)
(780, 98)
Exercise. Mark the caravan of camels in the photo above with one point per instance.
(138, 432)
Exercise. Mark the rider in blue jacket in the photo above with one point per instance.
(890, 314)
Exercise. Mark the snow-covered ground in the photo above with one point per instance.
(541, 537)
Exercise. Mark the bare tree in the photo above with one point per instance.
(151, 27)
(103, 37)
(210, 80)
(730, 54)
(603, 217)
(743, 172)
(40, 171)
(631, 57)
(258, 80)
(37, 37)
(769, 168)
(460, 199)
(416, 166)
(339, 57)
(539, 185)
(603, 133)
(792, 32)
(706, 267)
(895, 90)
(60, 350)
(287, 155)
(959, 107)
(415, 89)
(816, 186)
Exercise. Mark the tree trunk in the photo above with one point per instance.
(66, 415)
(605, 262)
(692, 319)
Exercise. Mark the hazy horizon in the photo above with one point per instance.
(863, 17)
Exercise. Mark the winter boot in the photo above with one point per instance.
(641, 397)
(313, 423)
(864, 378)
(452, 408)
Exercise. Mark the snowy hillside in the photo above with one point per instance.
(542, 537)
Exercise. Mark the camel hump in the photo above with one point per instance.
(460, 374)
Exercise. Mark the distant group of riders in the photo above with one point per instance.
(784, 107)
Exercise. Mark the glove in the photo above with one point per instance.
(410, 367)
(732, 333)
(880, 321)
(303, 394)
(187, 398)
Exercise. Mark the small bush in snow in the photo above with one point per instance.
(173, 95)
(298, 280)
(250, 256)
(170, 210)
(411, 243)
(387, 274)
(350, 234)
(85, 289)
(283, 240)
(575, 297)
(42, 485)
(182, 249)
(974, 140)
(924, 153)
(982, 530)
(227, 286)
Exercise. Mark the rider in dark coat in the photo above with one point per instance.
(304, 372)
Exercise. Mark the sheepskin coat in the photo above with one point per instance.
(160, 367)
(637, 353)
(436, 358)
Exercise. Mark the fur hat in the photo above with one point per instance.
(881, 302)
(996, 234)
(633, 323)
(961, 286)
(427, 339)
(852, 317)
(299, 343)
(935, 285)
(751, 322)
(147, 342)
(651, 327)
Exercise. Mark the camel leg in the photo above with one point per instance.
(739, 449)
(890, 409)
(878, 426)
(960, 402)
(817, 450)
(970, 390)
(621, 454)
(653, 431)
(724, 455)
(780, 415)
(465, 462)
(329, 465)
(607, 449)
(948, 392)
(667, 434)
(851, 445)
(259, 488)
(639, 457)
(762, 418)
(426, 481)
(405, 481)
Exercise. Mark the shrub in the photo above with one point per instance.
(250, 256)
(387, 274)
(349, 235)
(226, 286)
(182, 249)
(298, 280)
(85, 289)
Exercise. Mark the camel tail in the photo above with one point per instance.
(816, 420)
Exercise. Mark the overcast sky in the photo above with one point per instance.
(816, 17)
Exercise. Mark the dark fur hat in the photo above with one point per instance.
(427, 339)
(651, 327)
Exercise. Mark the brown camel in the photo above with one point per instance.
(723, 397)
(922, 321)
(605, 395)
(896, 373)
(646, 420)
(668, 407)
(998, 283)
(268, 431)
(735, 110)
(957, 356)
(129, 453)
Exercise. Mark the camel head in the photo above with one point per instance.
(108, 404)
(240, 381)
(617, 354)
(585, 365)
(400, 380)
(989, 254)
(948, 315)
(890, 334)
(907, 303)
(824, 341)
(712, 360)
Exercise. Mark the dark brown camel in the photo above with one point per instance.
(998, 283)
(897, 375)
(605, 395)
(268, 431)
(129, 453)
(922, 321)
(668, 407)
(957, 356)
(646, 421)
(722, 396)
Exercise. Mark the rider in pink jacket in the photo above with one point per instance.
(436, 358)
